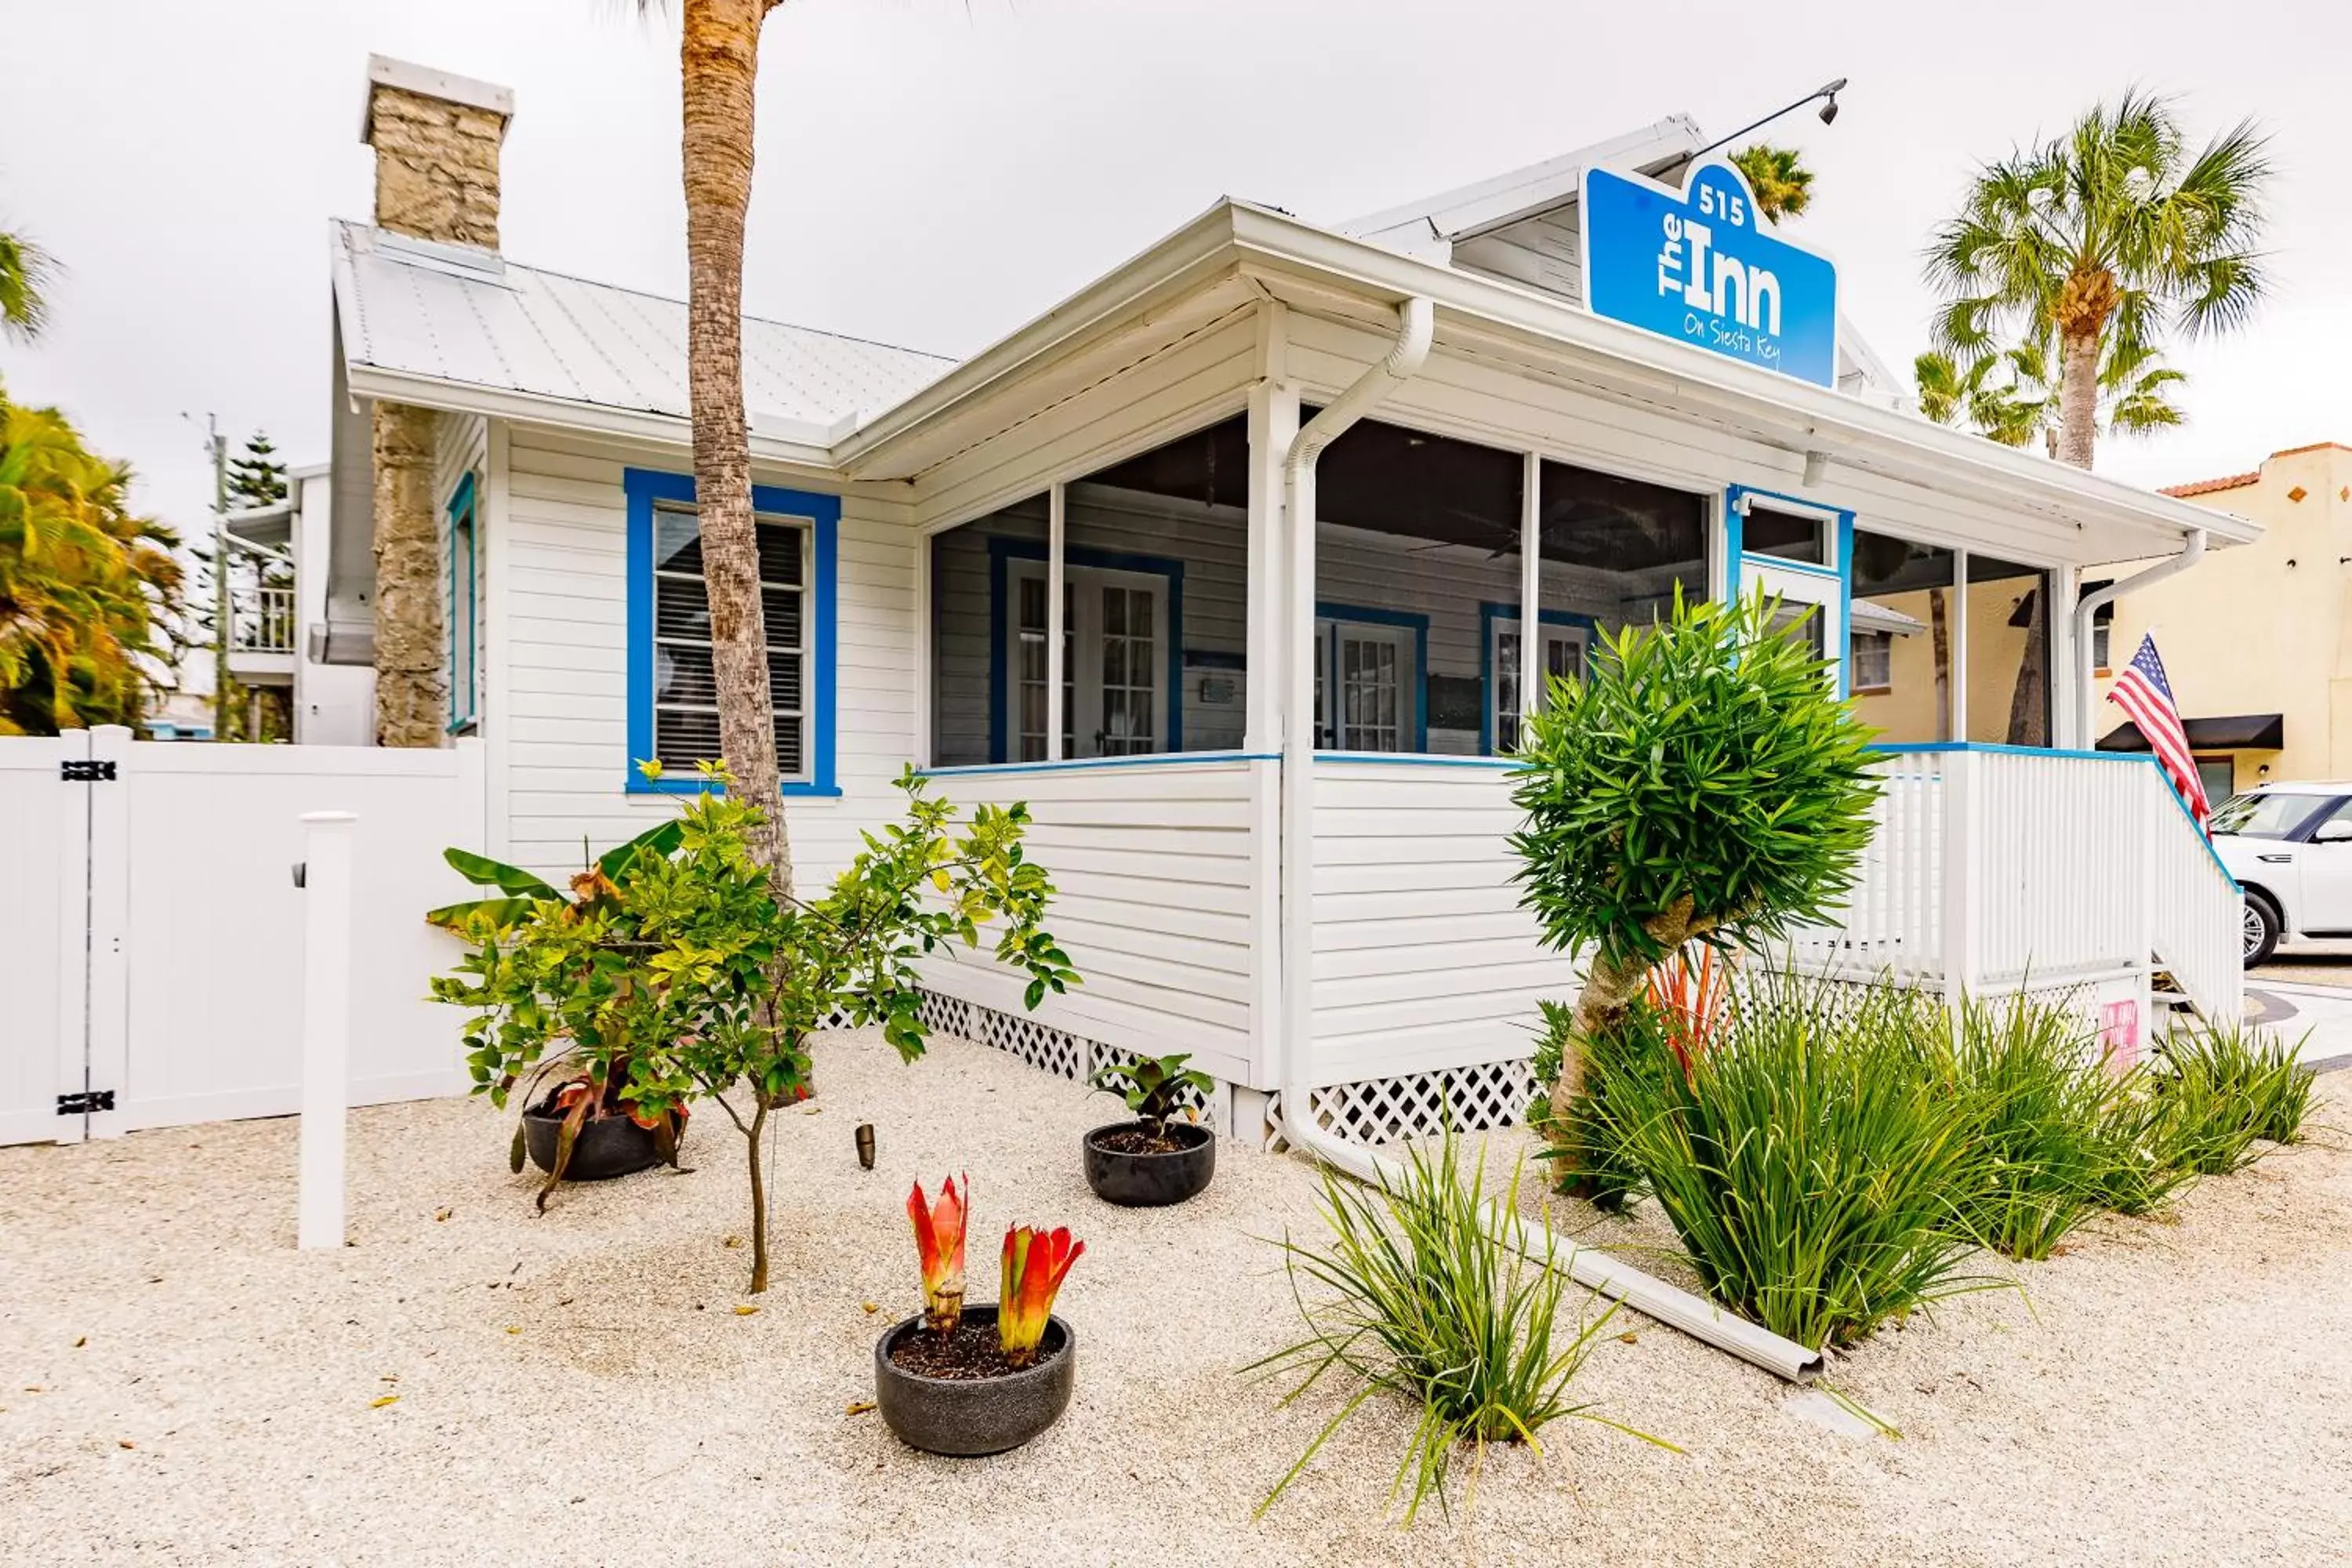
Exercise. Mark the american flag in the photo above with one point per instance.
(2142, 691)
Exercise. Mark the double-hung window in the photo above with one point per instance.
(673, 674)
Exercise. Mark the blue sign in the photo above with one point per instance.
(1699, 266)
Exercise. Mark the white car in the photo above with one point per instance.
(2290, 848)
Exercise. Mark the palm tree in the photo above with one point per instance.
(26, 270)
(2102, 238)
(2024, 402)
(86, 588)
(1783, 185)
(720, 60)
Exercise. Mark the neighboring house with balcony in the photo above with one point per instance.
(1243, 566)
(279, 633)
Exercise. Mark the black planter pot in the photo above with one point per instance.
(607, 1147)
(1151, 1181)
(968, 1418)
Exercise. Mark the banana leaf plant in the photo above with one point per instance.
(559, 965)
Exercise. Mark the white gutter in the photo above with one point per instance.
(1699, 1317)
(2089, 605)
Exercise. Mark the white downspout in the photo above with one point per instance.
(2090, 605)
(1694, 1315)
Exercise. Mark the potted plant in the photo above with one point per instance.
(981, 1380)
(554, 972)
(701, 979)
(1155, 1159)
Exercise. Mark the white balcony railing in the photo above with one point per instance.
(262, 621)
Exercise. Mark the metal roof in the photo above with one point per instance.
(469, 317)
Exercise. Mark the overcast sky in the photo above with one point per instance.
(935, 173)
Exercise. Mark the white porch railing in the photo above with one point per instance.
(1995, 869)
(263, 621)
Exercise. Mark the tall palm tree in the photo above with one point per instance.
(2023, 401)
(26, 270)
(85, 587)
(1783, 185)
(718, 58)
(2104, 237)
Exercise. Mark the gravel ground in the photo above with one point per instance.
(581, 1389)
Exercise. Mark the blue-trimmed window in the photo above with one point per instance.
(463, 609)
(672, 686)
(1569, 640)
(1123, 653)
(1371, 679)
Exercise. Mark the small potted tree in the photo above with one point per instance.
(555, 977)
(979, 1380)
(727, 983)
(1155, 1159)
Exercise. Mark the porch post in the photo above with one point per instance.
(1057, 527)
(1532, 664)
(1959, 672)
(1273, 423)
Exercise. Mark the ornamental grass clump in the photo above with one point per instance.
(2222, 1090)
(2062, 1128)
(1819, 1180)
(1418, 1294)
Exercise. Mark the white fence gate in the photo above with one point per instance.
(150, 931)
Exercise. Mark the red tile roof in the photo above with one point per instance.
(2206, 486)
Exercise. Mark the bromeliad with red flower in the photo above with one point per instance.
(1035, 1263)
(939, 1244)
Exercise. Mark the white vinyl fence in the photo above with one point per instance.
(151, 934)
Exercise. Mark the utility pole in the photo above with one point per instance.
(219, 451)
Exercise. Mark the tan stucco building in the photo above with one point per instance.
(2256, 639)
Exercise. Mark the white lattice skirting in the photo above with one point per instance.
(1373, 1110)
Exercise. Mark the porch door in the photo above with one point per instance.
(1564, 651)
(1813, 600)
(1371, 706)
(1114, 662)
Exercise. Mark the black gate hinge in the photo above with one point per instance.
(86, 770)
(86, 1102)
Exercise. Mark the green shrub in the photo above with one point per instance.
(2222, 1088)
(1418, 1294)
(2062, 1128)
(1819, 1178)
(1702, 783)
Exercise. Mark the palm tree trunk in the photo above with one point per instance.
(720, 60)
(2028, 706)
(1940, 633)
(2078, 398)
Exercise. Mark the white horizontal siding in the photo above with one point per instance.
(1156, 869)
(563, 739)
(1422, 958)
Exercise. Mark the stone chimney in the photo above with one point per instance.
(436, 137)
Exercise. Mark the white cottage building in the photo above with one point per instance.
(1226, 564)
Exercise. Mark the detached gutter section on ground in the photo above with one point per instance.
(2091, 604)
(1692, 1315)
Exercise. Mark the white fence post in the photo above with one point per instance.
(116, 755)
(326, 1023)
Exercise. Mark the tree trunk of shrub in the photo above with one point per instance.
(1610, 987)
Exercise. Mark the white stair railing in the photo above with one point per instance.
(2194, 905)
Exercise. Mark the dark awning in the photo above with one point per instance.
(2235, 732)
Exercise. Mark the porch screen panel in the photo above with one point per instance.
(685, 682)
(1903, 639)
(1614, 552)
(2008, 653)
(1417, 555)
